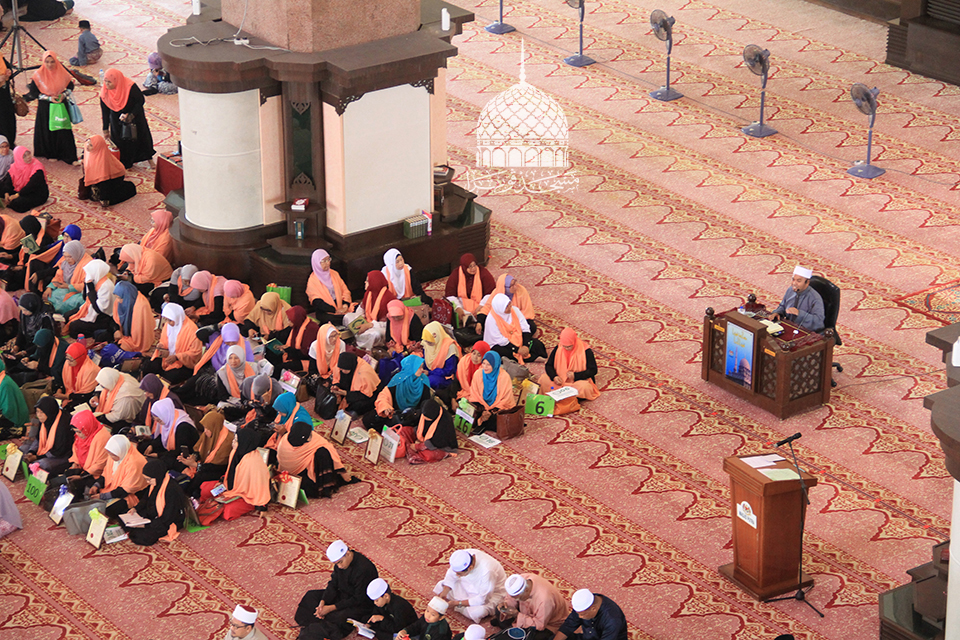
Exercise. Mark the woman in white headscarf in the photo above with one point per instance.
(120, 399)
(96, 313)
(325, 351)
(173, 434)
(508, 332)
(400, 279)
(231, 375)
(122, 476)
(179, 349)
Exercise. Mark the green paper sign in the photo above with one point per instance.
(539, 405)
(35, 490)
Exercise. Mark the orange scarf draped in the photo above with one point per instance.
(161, 504)
(12, 234)
(267, 322)
(158, 237)
(232, 379)
(189, 348)
(401, 328)
(408, 288)
(251, 480)
(172, 433)
(208, 296)
(472, 302)
(52, 83)
(149, 419)
(214, 422)
(365, 379)
(129, 473)
(512, 331)
(324, 364)
(504, 399)
(141, 326)
(315, 289)
(372, 311)
(105, 404)
(77, 279)
(423, 437)
(97, 458)
(99, 164)
(239, 307)
(294, 460)
(82, 311)
(84, 378)
(149, 267)
(48, 436)
(573, 361)
(442, 352)
(521, 298)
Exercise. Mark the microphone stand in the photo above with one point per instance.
(799, 595)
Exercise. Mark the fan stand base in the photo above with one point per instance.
(579, 60)
(664, 94)
(499, 28)
(866, 171)
(757, 130)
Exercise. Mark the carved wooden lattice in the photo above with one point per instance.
(300, 107)
(768, 375)
(806, 375)
(717, 358)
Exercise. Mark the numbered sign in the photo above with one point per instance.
(35, 490)
(539, 405)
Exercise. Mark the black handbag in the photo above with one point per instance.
(326, 404)
(128, 131)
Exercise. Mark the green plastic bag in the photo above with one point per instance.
(285, 293)
(59, 117)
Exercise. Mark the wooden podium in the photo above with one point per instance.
(766, 517)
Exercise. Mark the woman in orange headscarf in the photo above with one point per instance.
(121, 103)
(158, 238)
(104, 173)
(268, 318)
(52, 84)
(571, 364)
(79, 375)
(145, 267)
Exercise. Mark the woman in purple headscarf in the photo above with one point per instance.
(328, 295)
(158, 79)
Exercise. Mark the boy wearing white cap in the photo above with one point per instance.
(801, 304)
(242, 625)
(392, 612)
(534, 605)
(432, 625)
(473, 583)
(594, 617)
(323, 614)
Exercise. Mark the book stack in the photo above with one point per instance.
(416, 226)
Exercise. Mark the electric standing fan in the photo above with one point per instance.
(499, 27)
(579, 60)
(866, 101)
(758, 61)
(663, 30)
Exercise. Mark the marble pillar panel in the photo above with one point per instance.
(316, 25)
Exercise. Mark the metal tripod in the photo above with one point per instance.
(16, 47)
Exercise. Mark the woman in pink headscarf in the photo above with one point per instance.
(124, 120)
(158, 237)
(9, 317)
(25, 185)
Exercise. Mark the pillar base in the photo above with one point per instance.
(222, 252)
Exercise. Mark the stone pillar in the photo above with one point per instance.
(221, 146)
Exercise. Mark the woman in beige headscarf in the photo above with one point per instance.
(120, 398)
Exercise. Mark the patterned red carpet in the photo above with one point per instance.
(674, 210)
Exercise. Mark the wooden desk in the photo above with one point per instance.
(789, 374)
(766, 516)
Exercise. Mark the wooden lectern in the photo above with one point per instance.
(766, 517)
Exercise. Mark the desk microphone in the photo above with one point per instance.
(795, 436)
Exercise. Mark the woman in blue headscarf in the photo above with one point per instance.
(289, 411)
(406, 392)
(492, 390)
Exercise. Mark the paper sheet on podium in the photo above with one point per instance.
(780, 474)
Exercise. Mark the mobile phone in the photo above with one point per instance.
(184, 451)
(217, 490)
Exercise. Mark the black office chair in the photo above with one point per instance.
(831, 308)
